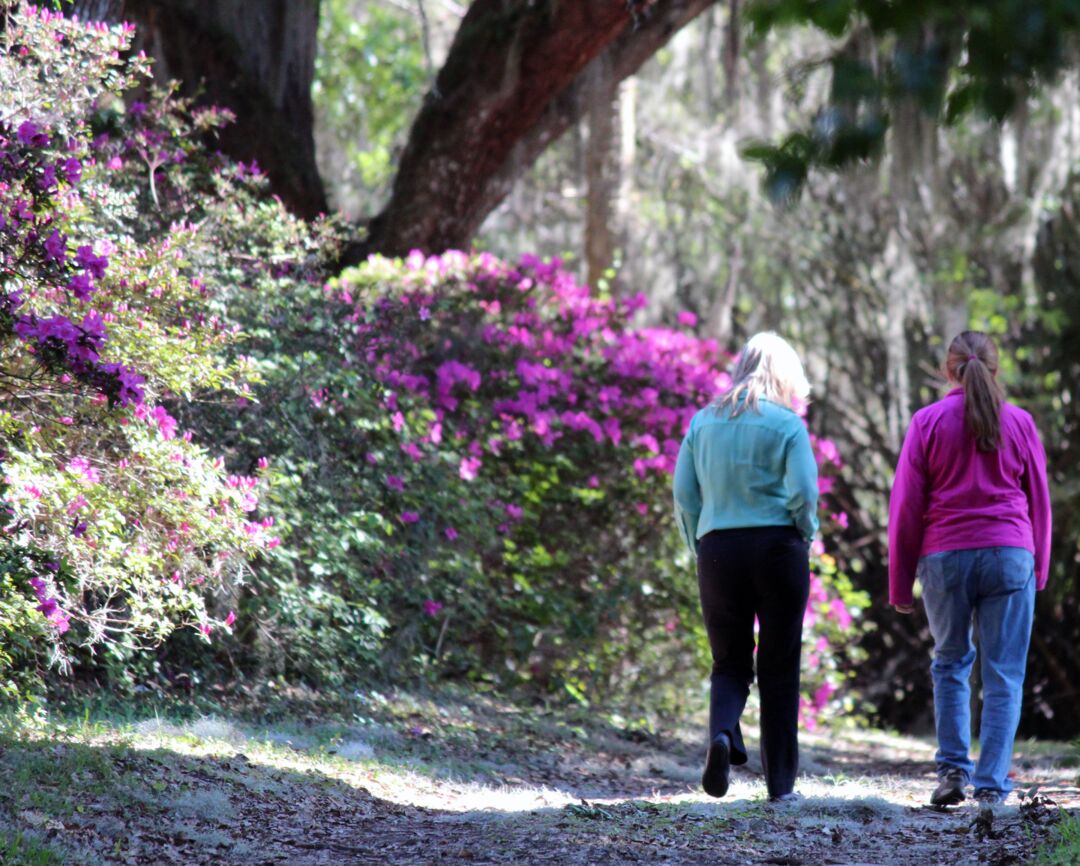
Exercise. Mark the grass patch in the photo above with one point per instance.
(1064, 850)
(17, 849)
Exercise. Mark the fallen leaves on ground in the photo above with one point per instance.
(484, 783)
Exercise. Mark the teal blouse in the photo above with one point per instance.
(756, 469)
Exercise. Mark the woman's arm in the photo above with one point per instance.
(801, 483)
(687, 492)
(907, 510)
(1038, 496)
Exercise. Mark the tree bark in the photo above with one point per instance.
(256, 57)
(600, 171)
(511, 85)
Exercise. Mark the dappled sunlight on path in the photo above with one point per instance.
(494, 788)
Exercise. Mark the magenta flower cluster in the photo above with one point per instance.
(544, 359)
(49, 606)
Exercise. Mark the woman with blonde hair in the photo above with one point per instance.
(746, 503)
(969, 516)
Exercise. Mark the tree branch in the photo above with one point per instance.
(511, 85)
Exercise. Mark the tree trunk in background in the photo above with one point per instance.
(721, 324)
(624, 190)
(601, 169)
(732, 50)
(256, 57)
(511, 85)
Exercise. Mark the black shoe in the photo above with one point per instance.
(950, 789)
(717, 775)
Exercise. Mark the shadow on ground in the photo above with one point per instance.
(523, 796)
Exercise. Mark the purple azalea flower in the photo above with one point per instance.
(125, 386)
(48, 607)
(432, 608)
(31, 136)
(93, 325)
(10, 302)
(48, 178)
(56, 247)
(72, 169)
(20, 211)
(86, 260)
(81, 286)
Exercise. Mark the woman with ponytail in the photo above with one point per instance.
(969, 516)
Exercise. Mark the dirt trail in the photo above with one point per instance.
(864, 804)
(437, 783)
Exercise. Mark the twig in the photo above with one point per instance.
(442, 634)
(425, 27)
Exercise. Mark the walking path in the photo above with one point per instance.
(405, 781)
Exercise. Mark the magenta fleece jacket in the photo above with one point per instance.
(948, 495)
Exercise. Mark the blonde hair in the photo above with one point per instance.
(768, 369)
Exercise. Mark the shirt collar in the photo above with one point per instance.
(957, 391)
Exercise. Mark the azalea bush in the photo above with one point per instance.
(117, 523)
(471, 464)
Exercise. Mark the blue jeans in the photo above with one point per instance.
(995, 588)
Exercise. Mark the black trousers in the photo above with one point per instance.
(764, 572)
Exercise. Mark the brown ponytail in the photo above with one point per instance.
(973, 362)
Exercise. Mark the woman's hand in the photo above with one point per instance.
(904, 608)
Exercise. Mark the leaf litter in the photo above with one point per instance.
(473, 781)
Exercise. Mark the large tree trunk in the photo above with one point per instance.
(256, 57)
(511, 85)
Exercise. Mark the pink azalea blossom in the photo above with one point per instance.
(840, 614)
(469, 468)
(81, 466)
(432, 608)
(166, 424)
(823, 694)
